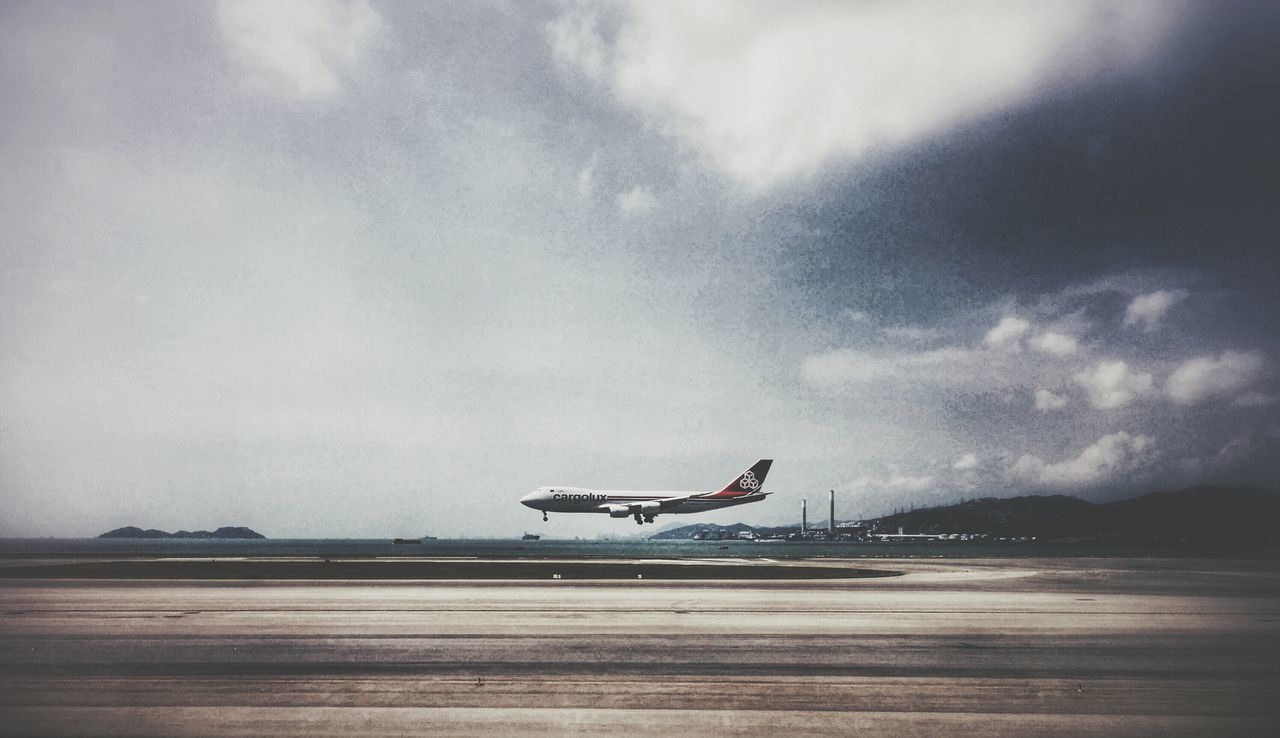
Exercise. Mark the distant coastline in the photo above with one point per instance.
(227, 532)
(1195, 515)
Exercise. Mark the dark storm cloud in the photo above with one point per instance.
(1173, 165)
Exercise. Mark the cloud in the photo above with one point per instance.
(908, 483)
(849, 366)
(998, 362)
(636, 201)
(299, 48)
(1236, 450)
(1007, 334)
(575, 41)
(966, 462)
(911, 333)
(1109, 457)
(769, 91)
(1146, 311)
(1055, 344)
(433, 295)
(845, 366)
(1204, 377)
(586, 176)
(1112, 385)
(1255, 399)
(1046, 401)
(895, 482)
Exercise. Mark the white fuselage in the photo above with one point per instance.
(645, 505)
(583, 500)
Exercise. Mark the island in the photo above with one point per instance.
(226, 532)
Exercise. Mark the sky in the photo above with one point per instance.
(351, 268)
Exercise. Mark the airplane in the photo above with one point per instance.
(644, 506)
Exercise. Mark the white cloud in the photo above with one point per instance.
(298, 47)
(1008, 333)
(637, 201)
(1234, 451)
(1046, 401)
(1204, 377)
(1255, 399)
(845, 366)
(770, 90)
(908, 483)
(912, 333)
(1112, 385)
(574, 41)
(586, 176)
(966, 462)
(1146, 311)
(896, 482)
(1109, 457)
(848, 366)
(1055, 344)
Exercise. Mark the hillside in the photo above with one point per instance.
(1058, 516)
(687, 532)
(1204, 513)
(1196, 514)
(227, 532)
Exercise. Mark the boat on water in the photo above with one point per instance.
(530, 537)
(414, 540)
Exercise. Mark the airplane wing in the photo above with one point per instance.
(661, 502)
(665, 501)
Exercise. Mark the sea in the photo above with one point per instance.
(499, 548)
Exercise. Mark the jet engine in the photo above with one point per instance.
(619, 511)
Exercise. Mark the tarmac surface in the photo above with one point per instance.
(1000, 646)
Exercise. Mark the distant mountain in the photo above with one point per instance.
(687, 532)
(1203, 513)
(720, 532)
(236, 532)
(1057, 516)
(1196, 514)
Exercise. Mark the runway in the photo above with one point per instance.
(1010, 646)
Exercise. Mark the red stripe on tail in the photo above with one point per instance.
(749, 481)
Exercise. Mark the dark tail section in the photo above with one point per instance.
(749, 481)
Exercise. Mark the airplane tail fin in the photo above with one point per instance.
(748, 481)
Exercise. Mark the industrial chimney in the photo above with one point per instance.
(804, 516)
(831, 531)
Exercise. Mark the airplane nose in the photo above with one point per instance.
(529, 499)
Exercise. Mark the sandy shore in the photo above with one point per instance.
(1010, 646)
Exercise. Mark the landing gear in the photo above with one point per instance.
(648, 518)
(544, 516)
(638, 520)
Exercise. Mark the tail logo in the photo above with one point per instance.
(749, 481)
